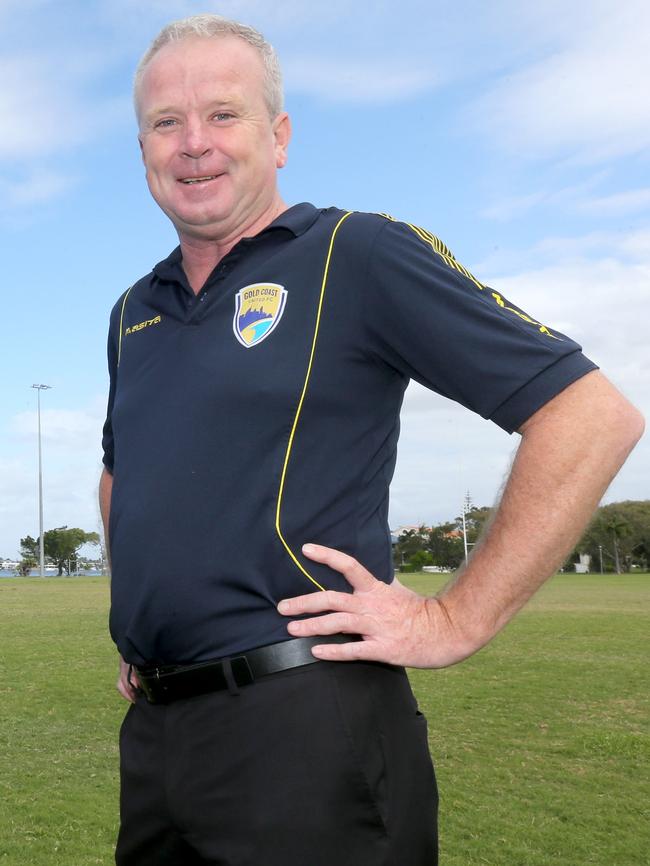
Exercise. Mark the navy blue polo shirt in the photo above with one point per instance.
(264, 413)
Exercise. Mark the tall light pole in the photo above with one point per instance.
(467, 504)
(41, 542)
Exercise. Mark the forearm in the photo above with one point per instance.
(105, 492)
(126, 680)
(570, 451)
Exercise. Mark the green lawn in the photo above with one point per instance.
(541, 741)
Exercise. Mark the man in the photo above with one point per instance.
(256, 380)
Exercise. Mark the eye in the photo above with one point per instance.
(165, 123)
(222, 115)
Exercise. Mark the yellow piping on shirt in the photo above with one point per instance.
(300, 404)
(119, 341)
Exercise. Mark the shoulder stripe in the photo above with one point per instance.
(302, 400)
(441, 249)
(119, 341)
(450, 260)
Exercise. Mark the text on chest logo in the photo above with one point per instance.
(258, 310)
(141, 325)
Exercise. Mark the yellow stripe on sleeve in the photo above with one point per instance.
(450, 260)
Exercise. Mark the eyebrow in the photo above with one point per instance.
(156, 112)
(226, 101)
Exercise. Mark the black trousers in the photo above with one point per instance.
(324, 765)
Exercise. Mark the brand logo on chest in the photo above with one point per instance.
(133, 329)
(258, 310)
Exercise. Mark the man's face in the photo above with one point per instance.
(208, 144)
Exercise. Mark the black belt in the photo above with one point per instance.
(167, 683)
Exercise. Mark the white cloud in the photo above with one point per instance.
(637, 244)
(627, 247)
(281, 14)
(444, 451)
(55, 102)
(600, 303)
(72, 430)
(617, 204)
(17, 486)
(580, 252)
(49, 110)
(71, 468)
(358, 80)
(279, 21)
(43, 119)
(37, 187)
(515, 206)
(69, 497)
(566, 197)
(587, 99)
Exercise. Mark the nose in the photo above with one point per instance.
(195, 142)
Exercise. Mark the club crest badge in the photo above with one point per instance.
(258, 310)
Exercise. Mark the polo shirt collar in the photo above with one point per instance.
(296, 219)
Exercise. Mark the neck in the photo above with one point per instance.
(202, 254)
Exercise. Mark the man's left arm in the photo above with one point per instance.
(571, 449)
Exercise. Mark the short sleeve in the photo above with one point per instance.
(432, 320)
(112, 351)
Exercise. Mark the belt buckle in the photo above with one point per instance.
(241, 671)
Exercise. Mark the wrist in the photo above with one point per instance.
(469, 629)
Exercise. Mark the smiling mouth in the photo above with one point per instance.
(191, 180)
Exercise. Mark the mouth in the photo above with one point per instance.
(195, 180)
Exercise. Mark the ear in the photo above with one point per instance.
(282, 135)
(141, 147)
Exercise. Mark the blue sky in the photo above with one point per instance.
(519, 133)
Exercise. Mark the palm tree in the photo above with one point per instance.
(618, 528)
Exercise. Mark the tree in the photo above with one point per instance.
(445, 545)
(29, 547)
(475, 520)
(409, 543)
(25, 566)
(621, 530)
(61, 546)
(29, 555)
(617, 528)
(420, 558)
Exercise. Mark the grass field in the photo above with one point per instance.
(541, 741)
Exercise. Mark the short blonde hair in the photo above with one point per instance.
(210, 26)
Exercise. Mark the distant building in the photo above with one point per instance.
(395, 534)
(582, 566)
(400, 530)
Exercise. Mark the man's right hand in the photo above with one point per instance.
(124, 687)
